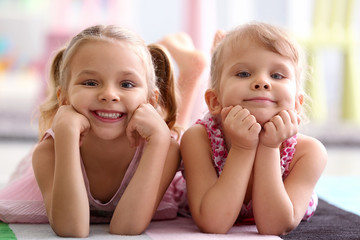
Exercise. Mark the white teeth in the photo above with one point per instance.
(109, 115)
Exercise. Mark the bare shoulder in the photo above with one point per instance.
(194, 133)
(307, 144)
(43, 153)
(195, 144)
(311, 150)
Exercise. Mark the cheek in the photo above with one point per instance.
(81, 105)
(231, 96)
(136, 100)
(291, 103)
(291, 96)
(78, 101)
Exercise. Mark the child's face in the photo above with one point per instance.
(107, 84)
(257, 79)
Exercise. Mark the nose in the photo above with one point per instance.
(261, 84)
(108, 94)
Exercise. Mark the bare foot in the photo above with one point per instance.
(191, 67)
(190, 61)
(219, 35)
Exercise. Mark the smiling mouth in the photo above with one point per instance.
(259, 99)
(109, 115)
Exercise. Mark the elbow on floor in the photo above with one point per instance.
(69, 227)
(135, 229)
(73, 232)
(213, 228)
(272, 230)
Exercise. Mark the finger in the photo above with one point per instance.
(269, 126)
(234, 111)
(255, 128)
(285, 116)
(249, 120)
(225, 112)
(131, 131)
(298, 119)
(239, 113)
(294, 117)
(278, 122)
(132, 136)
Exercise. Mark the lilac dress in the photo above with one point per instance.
(220, 153)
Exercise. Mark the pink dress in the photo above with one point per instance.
(220, 153)
(21, 200)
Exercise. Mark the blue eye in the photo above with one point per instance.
(127, 84)
(243, 74)
(277, 76)
(90, 83)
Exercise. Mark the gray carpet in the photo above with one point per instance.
(328, 223)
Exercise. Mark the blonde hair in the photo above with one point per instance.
(272, 38)
(59, 72)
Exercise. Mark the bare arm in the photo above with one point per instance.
(58, 172)
(156, 169)
(279, 206)
(215, 202)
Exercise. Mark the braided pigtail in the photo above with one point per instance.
(50, 106)
(166, 84)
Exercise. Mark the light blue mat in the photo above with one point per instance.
(341, 191)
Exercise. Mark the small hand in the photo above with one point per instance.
(146, 123)
(279, 128)
(67, 118)
(241, 127)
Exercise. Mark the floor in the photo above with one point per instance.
(11, 153)
(339, 184)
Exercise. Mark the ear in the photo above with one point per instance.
(154, 100)
(58, 95)
(299, 102)
(212, 102)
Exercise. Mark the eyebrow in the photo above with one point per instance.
(92, 72)
(86, 72)
(284, 66)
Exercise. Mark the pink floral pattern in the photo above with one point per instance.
(220, 154)
(217, 141)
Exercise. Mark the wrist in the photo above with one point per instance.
(249, 149)
(66, 132)
(269, 146)
(244, 147)
(159, 138)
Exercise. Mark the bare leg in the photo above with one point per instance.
(191, 64)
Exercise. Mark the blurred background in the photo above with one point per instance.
(31, 30)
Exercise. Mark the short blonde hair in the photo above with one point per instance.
(272, 38)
